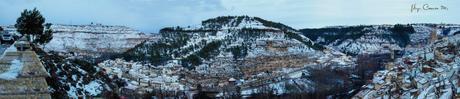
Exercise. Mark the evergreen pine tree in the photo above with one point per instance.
(30, 23)
(46, 36)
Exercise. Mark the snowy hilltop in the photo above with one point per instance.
(232, 37)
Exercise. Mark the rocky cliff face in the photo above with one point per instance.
(94, 40)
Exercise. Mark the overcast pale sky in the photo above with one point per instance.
(152, 15)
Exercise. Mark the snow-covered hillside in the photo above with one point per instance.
(234, 37)
(355, 40)
(94, 39)
(246, 49)
(74, 78)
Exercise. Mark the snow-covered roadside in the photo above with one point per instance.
(9, 49)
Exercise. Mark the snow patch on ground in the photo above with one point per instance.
(13, 71)
(72, 92)
(93, 88)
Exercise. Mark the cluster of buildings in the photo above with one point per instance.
(424, 73)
